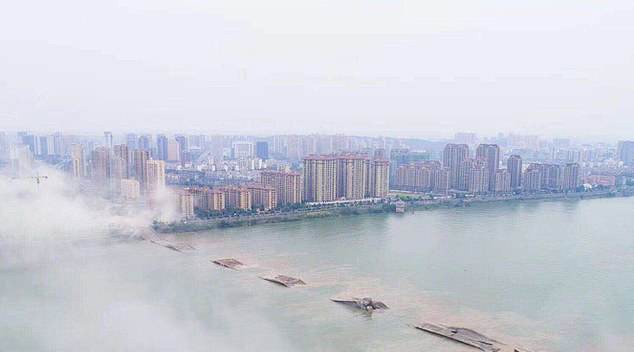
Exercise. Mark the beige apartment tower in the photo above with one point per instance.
(215, 200)
(490, 155)
(155, 176)
(237, 198)
(352, 176)
(262, 196)
(77, 158)
(121, 152)
(379, 178)
(207, 199)
(288, 185)
(141, 158)
(320, 178)
(100, 165)
(453, 157)
(186, 203)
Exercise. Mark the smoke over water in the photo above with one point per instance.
(53, 209)
(36, 218)
(68, 285)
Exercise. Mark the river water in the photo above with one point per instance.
(547, 276)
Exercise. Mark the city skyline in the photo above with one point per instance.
(214, 174)
(288, 175)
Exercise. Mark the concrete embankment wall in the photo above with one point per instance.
(208, 224)
(202, 225)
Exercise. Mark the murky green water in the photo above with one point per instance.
(551, 276)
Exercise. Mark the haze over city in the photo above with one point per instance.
(397, 68)
(358, 175)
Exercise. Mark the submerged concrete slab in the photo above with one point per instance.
(284, 280)
(365, 303)
(468, 337)
(229, 263)
(462, 335)
(178, 247)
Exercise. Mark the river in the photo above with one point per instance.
(547, 276)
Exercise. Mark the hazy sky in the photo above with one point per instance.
(378, 67)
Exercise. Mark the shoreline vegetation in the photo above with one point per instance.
(197, 225)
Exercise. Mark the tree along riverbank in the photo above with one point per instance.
(385, 207)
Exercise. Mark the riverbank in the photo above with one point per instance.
(250, 220)
(386, 207)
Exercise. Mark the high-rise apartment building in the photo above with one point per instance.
(4, 146)
(440, 180)
(141, 158)
(288, 186)
(320, 178)
(162, 147)
(117, 171)
(199, 195)
(416, 177)
(294, 148)
(32, 142)
(121, 152)
(349, 176)
(145, 143)
(625, 152)
(207, 198)
(263, 196)
(380, 153)
(77, 160)
(532, 178)
(352, 176)
(398, 158)
(551, 176)
(196, 142)
(570, 177)
(502, 181)
(262, 150)
(186, 205)
(453, 158)
(309, 144)
(215, 200)
(490, 155)
(132, 141)
(155, 176)
(403, 156)
(173, 151)
(75, 168)
(514, 168)
(21, 159)
(242, 150)
(47, 146)
(237, 198)
(476, 176)
(186, 144)
(108, 140)
(183, 146)
(379, 178)
(58, 144)
(340, 143)
(100, 165)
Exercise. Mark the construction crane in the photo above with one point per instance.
(38, 179)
